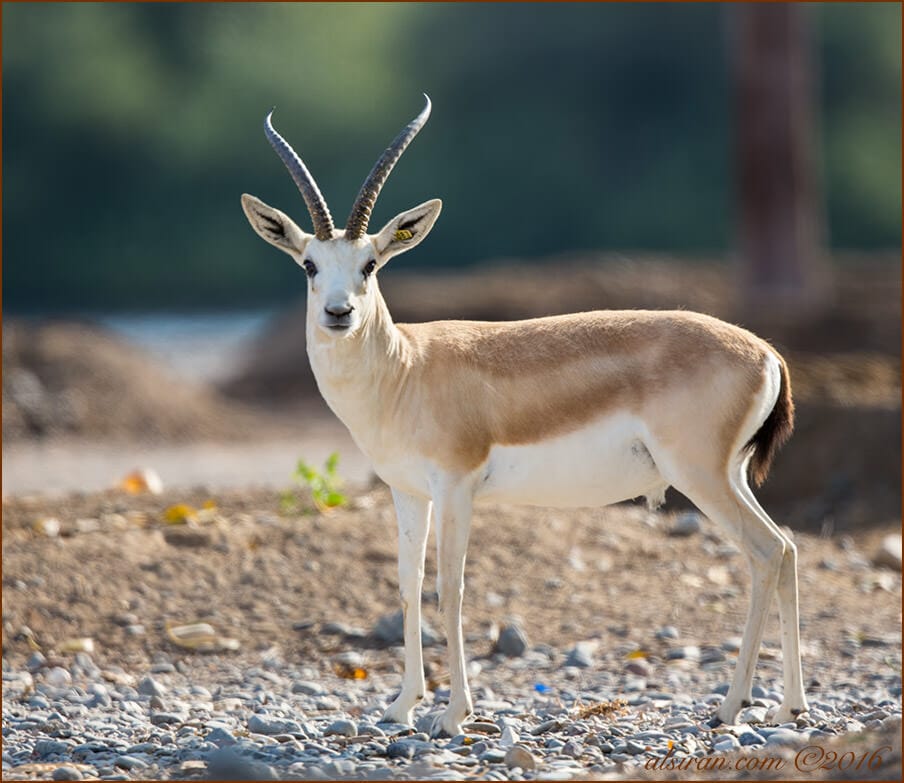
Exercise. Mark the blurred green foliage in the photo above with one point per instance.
(130, 130)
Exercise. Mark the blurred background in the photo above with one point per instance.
(740, 159)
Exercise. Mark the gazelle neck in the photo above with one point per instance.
(357, 372)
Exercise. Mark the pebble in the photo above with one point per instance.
(66, 773)
(519, 756)
(390, 629)
(686, 524)
(889, 552)
(343, 728)
(512, 641)
(268, 725)
(58, 677)
(148, 686)
(581, 655)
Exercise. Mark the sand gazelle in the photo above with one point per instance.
(574, 410)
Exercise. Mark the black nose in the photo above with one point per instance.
(337, 311)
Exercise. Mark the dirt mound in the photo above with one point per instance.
(75, 379)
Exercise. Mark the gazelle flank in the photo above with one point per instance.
(573, 410)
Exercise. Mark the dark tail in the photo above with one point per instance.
(774, 432)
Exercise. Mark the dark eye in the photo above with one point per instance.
(309, 267)
(369, 268)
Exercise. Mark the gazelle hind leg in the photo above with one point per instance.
(795, 700)
(711, 489)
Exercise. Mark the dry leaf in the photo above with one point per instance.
(180, 514)
(605, 708)
(144, 480)
(349, 672)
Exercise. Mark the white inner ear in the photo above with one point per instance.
(274, 226)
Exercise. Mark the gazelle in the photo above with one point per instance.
(573, 410)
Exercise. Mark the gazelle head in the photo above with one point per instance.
(340, 264)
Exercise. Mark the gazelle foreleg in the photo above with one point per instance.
(452, 511)
(414, 523)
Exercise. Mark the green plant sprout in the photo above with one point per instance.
(324, 486)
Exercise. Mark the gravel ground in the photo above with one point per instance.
(247, 640)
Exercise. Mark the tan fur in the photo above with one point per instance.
(517, 382)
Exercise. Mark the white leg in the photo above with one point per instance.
(795, 700)
(452, 511)
(413, 523)
(764, 547)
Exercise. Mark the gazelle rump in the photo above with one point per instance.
(582, 409)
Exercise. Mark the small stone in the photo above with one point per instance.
(688, 652)
(163, 718)
(269, 725)
(129, 762)
(308, 688)
(45, 748)
(581, 655)
(400, 750)
(390, 629)
(342, 728)
(512, 641)
(519, 756)
(634, 748)
(66, 773)
(750, 738)
(726, 743)
(686, 524)
(220, 737)
(639, 667)
(784, 737)
(752, 715)
(549, 725)
(148, 686)
(509, 737)
(229, 764)
(58, 677)
(35, 661)
(667, 632)
(889, 552)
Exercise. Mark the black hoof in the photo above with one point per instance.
(746, 703)
(714, 722)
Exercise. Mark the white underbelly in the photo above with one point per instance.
(604, 462)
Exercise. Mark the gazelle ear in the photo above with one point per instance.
(274, 226)
(405, 231)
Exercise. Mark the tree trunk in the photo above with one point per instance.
(781, 213)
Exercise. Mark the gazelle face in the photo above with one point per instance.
(341, 285)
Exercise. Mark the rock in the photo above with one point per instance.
(752, 715)
(889, 552)
(163, 718)
(229, 764)
(308, 688)
(686, 524)
(512, 641)
(750, 738)
(269, 725)
(400, 750)
(220, 737)
(35, 661)
(784, 737)
(581, 655)
(689, 652)
(342, 629)
(58, 677)
(509, 737)
(66, 773)
(726, 743)
(342, 728)
(44, 748)
(390, 629)
(129, 762)
(639, 667)
(667, 632)
(519, 756)
(549, 725)
(148, 686)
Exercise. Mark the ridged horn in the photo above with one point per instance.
(367, 196)
(313, 198)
